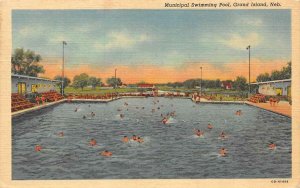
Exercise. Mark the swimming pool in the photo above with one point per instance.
(169, 151)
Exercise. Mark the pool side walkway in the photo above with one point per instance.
(282, 108)
(14, 114)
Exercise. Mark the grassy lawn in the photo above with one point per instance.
(180, 89)
(97, 90)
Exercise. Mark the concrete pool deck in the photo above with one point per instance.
(17, 113)
(282, 108)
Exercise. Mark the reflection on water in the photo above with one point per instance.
(168, 151)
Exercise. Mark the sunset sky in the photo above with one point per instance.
(156, 46)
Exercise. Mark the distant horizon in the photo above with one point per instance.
(156, 46)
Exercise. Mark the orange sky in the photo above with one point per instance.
(164, 74)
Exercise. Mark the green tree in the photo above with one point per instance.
(287, 71)
(218, 83)
(66, 81)
(284, 73)
(93, 81)
(240, 83)
(114, 82)
(26, 62)
(276, 75)
(191, 83)
(141, 82)
(80, 81)
(263, 77)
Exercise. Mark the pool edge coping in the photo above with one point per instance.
(18, 113)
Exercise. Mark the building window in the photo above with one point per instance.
(34, 88)
(22, 88)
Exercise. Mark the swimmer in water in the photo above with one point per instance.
(93, 114)
(223, 152)
(93, 142)
(222, 135)
(140, 140)
(38, 148)
(106, 153)
(164, 120)
(121, 116)
(61, 134)
(172, 114)
(199, 132)
(209, 126)
(84, 117)
(143, 107)
(272, 146)
(76, 109)
(125, 139)
(134, 138)
(125, 103)
(238, 113)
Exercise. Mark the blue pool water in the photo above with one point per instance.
(169, 151)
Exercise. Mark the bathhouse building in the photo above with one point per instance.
(275, 87)
(22, 84)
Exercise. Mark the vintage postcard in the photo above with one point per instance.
(149, 93)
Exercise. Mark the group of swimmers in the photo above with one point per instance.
(92, 115)
(167, 117)
(104, 153)
(199, 133)
(223, 152)
(133, 138)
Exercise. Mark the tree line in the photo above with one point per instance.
(240, 83)
(284, 73)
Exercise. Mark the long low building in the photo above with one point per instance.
(22, 84)
(275, 87)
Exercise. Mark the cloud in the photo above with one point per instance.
(256, 22)
(121, 40)
(25, 31)
(240, 42)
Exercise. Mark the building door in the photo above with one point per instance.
(289, 91)
(22, 88)
(279, 91)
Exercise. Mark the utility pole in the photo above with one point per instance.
(248, 48)
(63, 68)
